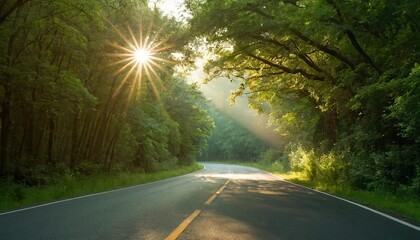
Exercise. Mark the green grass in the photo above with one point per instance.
(403, 207)
(14, 196)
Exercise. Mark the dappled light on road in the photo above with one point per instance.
(241, 176)
(234, 172)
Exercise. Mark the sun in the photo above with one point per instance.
(142, 55)
(139, 57)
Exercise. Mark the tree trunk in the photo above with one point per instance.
(111, 150)
(50, 147)
(331, 128)
(73, 154)
(5, 129)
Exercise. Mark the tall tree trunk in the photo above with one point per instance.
(5, 128)
(331, 127)
(73, 154)
(84, 135)
(111, 150)
(50, 145)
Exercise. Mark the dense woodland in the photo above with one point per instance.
(230, 141)
(67, 108)
(340, 80)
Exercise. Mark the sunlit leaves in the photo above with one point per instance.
(335, 74)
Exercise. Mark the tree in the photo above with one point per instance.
(230, 141)
(329, 71)
(184, 105)
(66, 105)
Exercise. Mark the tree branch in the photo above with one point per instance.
(11, 9)
(353, 38)
(286, 69)
(306, 39)
(300, 55)
(323, 48)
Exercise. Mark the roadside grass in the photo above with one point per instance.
(15, 196)
(400, 206)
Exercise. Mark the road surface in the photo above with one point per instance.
(220, 202)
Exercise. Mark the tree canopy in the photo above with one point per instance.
(340, 79)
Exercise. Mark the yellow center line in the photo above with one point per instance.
(210, 200)
(175, 233)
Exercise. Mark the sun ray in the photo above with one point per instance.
(152, 84)
(130, 95)
(121, 47)
(123, 81)
(141, 34)
(159, 80)
(134, 42)
(124, 67)
(123, 37)
(140, 72)
(120, 61)
(156, 65)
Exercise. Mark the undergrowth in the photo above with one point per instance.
(14, 196)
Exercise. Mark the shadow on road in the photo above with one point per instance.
(256, 205)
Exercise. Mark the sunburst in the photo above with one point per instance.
(139, 57)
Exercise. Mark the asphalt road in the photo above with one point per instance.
(250, 204)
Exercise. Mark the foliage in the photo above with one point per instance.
(230, 141)
(184, 105)
(275, 159)
(67, 107)
(339, 79)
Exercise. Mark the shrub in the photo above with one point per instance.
(304, 161)
(86, 168)
(274, 159)
(331, 169)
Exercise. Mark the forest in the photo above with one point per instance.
(230, 141)
(339, 81)
(72, 104)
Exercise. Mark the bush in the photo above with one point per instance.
(39, 175)
(304, 161)
(331, 169)
(415, 185)
(360, 176)
(86, 168)
(275, 159)
(168, 164)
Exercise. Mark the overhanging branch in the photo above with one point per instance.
(286, 69)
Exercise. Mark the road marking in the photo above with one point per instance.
(210, 200)
(175, 233)
(99, 193)
(354, 203)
